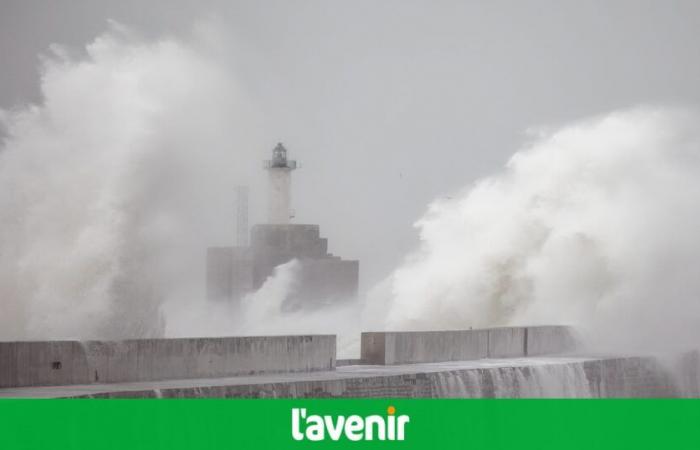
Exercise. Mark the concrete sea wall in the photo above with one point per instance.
(83, 362)
(408, 347)
(617, 377)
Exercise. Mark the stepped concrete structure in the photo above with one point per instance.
(511, 362)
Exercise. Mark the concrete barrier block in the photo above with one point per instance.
(462, 345)
(73, 362)
(507, 342)
(550, 339)
(8, 364)
(436, 346)
(209, 356)
(423, 346)
(373, 347)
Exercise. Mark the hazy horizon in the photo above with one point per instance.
(389, 105)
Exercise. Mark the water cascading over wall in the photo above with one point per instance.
(597, 378)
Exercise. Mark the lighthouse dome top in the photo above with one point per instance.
(279, 159)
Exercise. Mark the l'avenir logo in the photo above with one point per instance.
(314, 427)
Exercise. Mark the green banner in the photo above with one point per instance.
(372, 423)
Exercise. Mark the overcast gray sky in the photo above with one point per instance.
(390, 104)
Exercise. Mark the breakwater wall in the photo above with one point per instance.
(409, 347)
(51, 363)
(614, 377)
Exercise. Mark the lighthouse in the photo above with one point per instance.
(322, 278)
(279, 170)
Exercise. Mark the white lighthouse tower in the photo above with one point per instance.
(279, 169)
